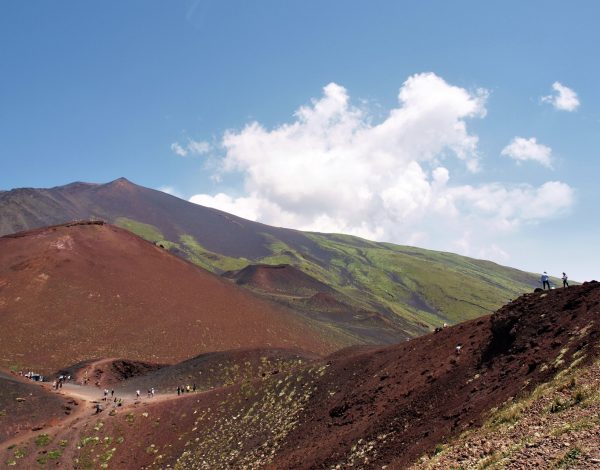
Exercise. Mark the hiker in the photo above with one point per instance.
(458, 348)
(565, 280)
(545, 280)
(152, 392)
(178, 390)
(98, 408)
(112, 393)
(137, 394)
(194, 387)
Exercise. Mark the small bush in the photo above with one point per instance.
(508, 416)
(42, 440)
(569, 459)
(579, 396)
(558, 405)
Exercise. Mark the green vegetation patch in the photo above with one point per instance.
(570, 459)
(54, 454)
(207, 259)
(42, 440)
(146, 231)
(20, 453)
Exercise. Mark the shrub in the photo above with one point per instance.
(42, 440)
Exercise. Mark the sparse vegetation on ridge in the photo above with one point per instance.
(534, 428)
(422, 288)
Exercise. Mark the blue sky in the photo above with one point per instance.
(289, 113)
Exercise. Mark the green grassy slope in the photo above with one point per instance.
(414, 288)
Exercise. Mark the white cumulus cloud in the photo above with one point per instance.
(191, 148)
(332, 169)
(521, 149)
(565, 99)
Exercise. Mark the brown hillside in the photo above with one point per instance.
(74, 292)
(106, 373)
(278, 279)
(223, 368)
(25, 405)
(372, 407)
(29, 208)
(358, 408)
(396, 403)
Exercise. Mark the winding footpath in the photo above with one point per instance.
(83, 399)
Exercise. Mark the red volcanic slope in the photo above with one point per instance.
(80, 291)
(421, 393)
(372, 407)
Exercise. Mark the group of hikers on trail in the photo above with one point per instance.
(545, 280)
(185, 389)
(115, 400)
(58, 383)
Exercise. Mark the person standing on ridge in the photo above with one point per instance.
(565, 280)
(545, 280)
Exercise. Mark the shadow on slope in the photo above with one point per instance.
(333, 310)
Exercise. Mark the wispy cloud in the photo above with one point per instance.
(565, 99)
(171, 190)
(192, 147)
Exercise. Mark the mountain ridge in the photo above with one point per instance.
(413, 289)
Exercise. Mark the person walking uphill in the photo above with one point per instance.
(565, 280)
(545, 280)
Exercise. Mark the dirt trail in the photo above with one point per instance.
(83, 399)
